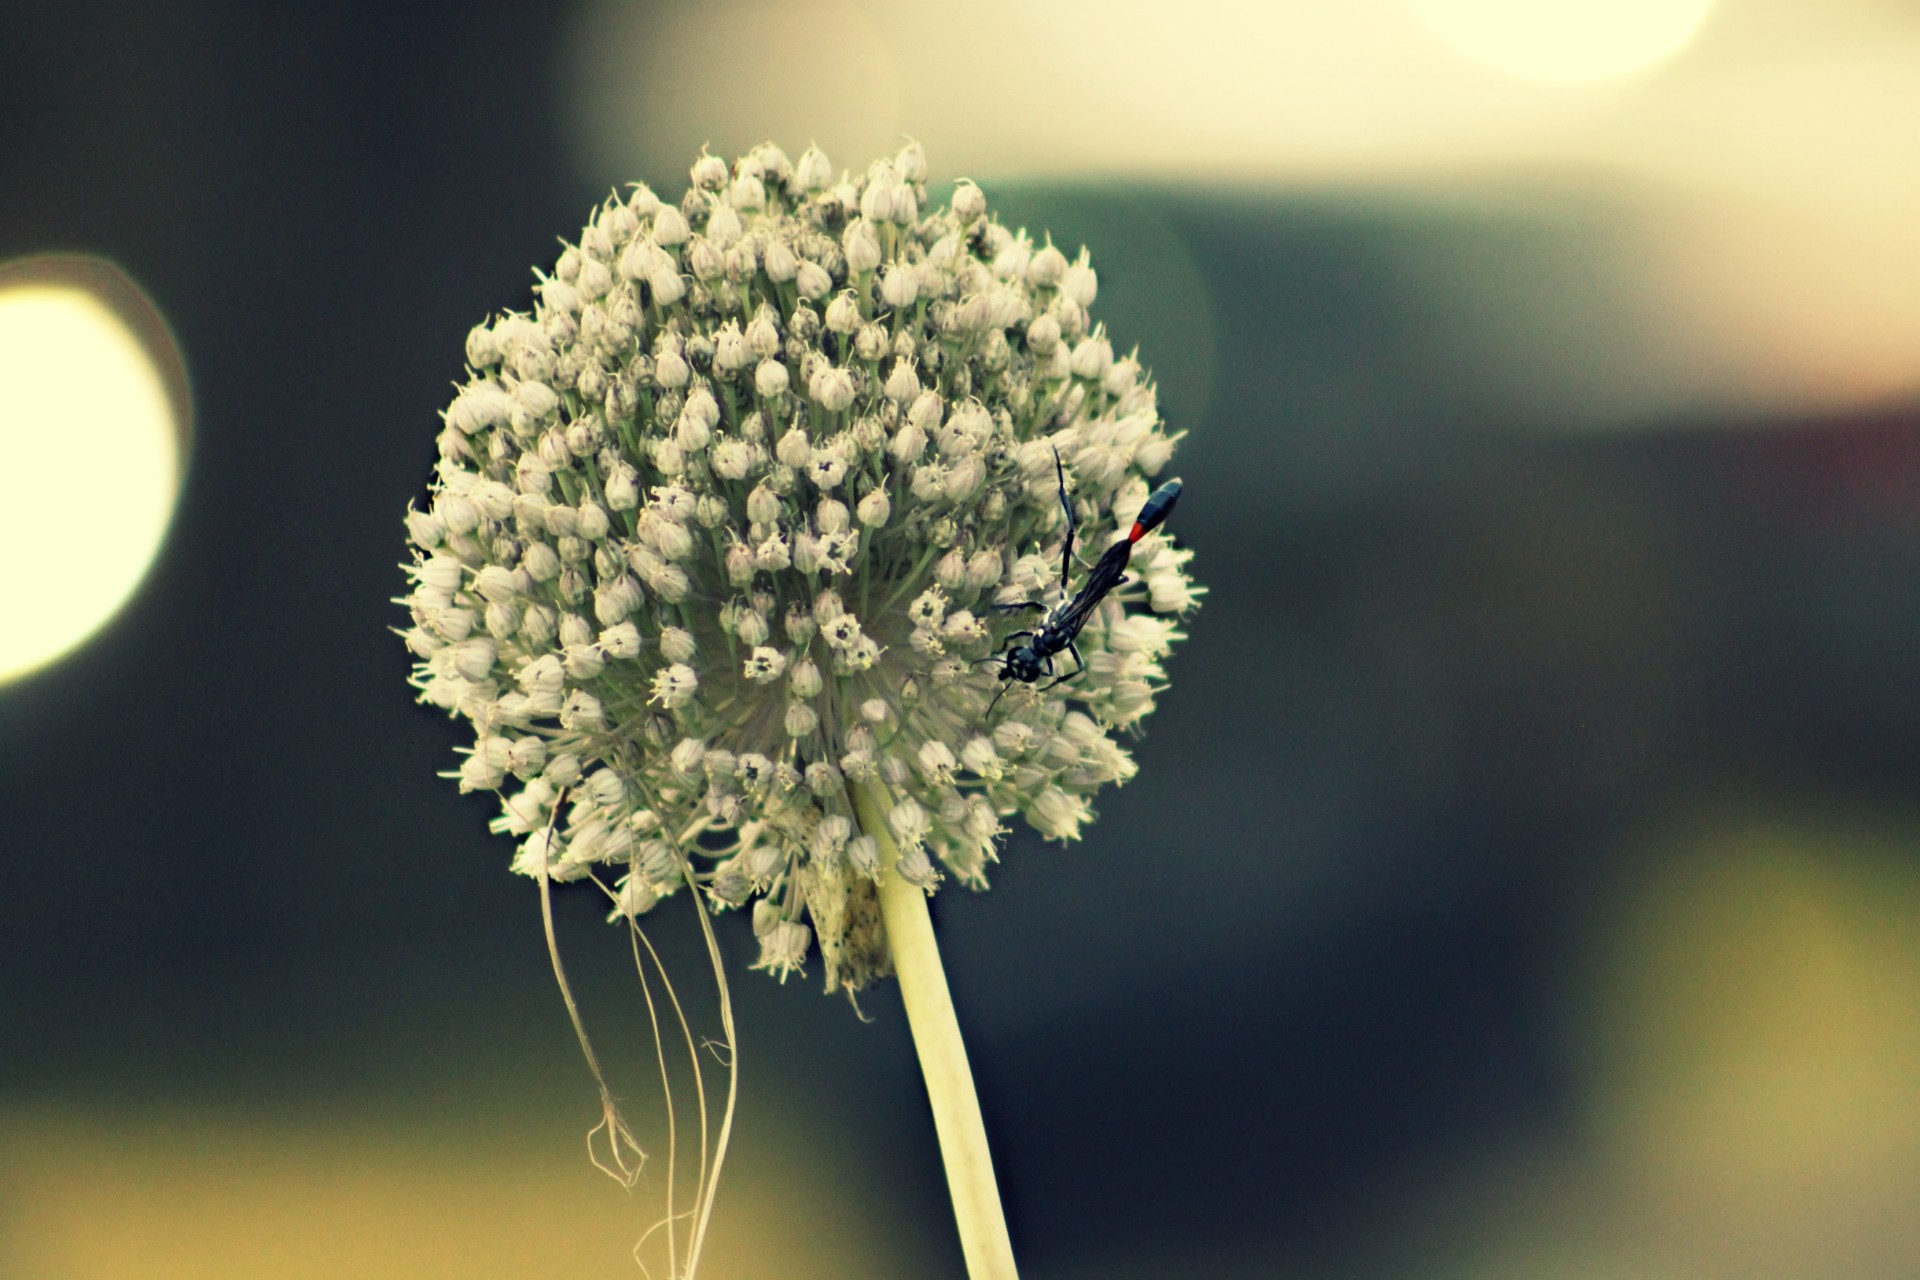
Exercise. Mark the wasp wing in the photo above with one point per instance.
(1102, 578)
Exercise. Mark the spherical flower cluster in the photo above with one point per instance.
(718, 530)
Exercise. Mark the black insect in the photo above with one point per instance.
(1028, 662)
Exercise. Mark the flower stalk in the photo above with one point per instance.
(733, 540)
(943, 1056)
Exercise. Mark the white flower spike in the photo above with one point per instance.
(721, 526)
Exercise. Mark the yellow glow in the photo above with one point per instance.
(1756, 1040)
(151, 1193)
(90, 432)
(1565, 39)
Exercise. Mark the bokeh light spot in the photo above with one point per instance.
(92, 424)
(1567, 39)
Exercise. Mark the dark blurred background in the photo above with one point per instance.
(1523, 875)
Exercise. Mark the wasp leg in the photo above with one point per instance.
(1018, 604)
(1006, 683)
(1066, 554)
(1079, 670)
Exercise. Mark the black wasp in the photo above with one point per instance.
(1058, 629)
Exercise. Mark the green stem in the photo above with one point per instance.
(943, 1058)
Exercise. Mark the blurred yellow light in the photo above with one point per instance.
(91, 433)
(1565, 39)
(1755, 1040)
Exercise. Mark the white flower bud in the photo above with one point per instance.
(770, 379)
(669, 228)
(686, 756)
(936, 761)
(1092, 357)
(484, 769)
(1080, 282)
(965, 479)
(723, 225)
(863, 855)
(690, 433)
(747, 192)
(704, 259)
(669, 459)
(676, 644)
(1043, 335)
(812, 281)
(1057, 815)
(969, 202)
(730, 353)
(495, 582)
(527, 757)
(671, 584)
(876, 201)
(667, 286)
(910, 164)
(536, 625)
(926, 410)
(482, 350)
(479, 405)
(622, 490)
(595, 279)
(806, 553)
(1047, 268)
(635, 898)
(540, 562)
(593, 522)
(832, 388)
(456, 514)
(731, 460)
(908, 822)
(812, 172)
(950, 570)
(583, 661)
(831, 516)
(861, 246)
(670, 370)
(781, 266)
(472, 659)
(899, 285)
(740, 564)
(801, 720)
(753, 628)
(793, 449)
(763, 335)
(783, 948)
(904, 207)
(709, 172)
(425, 528)
(916, 868)
(903, 383)
(874, 509)
(843, 314)
(805, 679)
(441, 573)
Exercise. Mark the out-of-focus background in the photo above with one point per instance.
(1523, 877)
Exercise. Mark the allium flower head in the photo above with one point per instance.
(718, 529)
